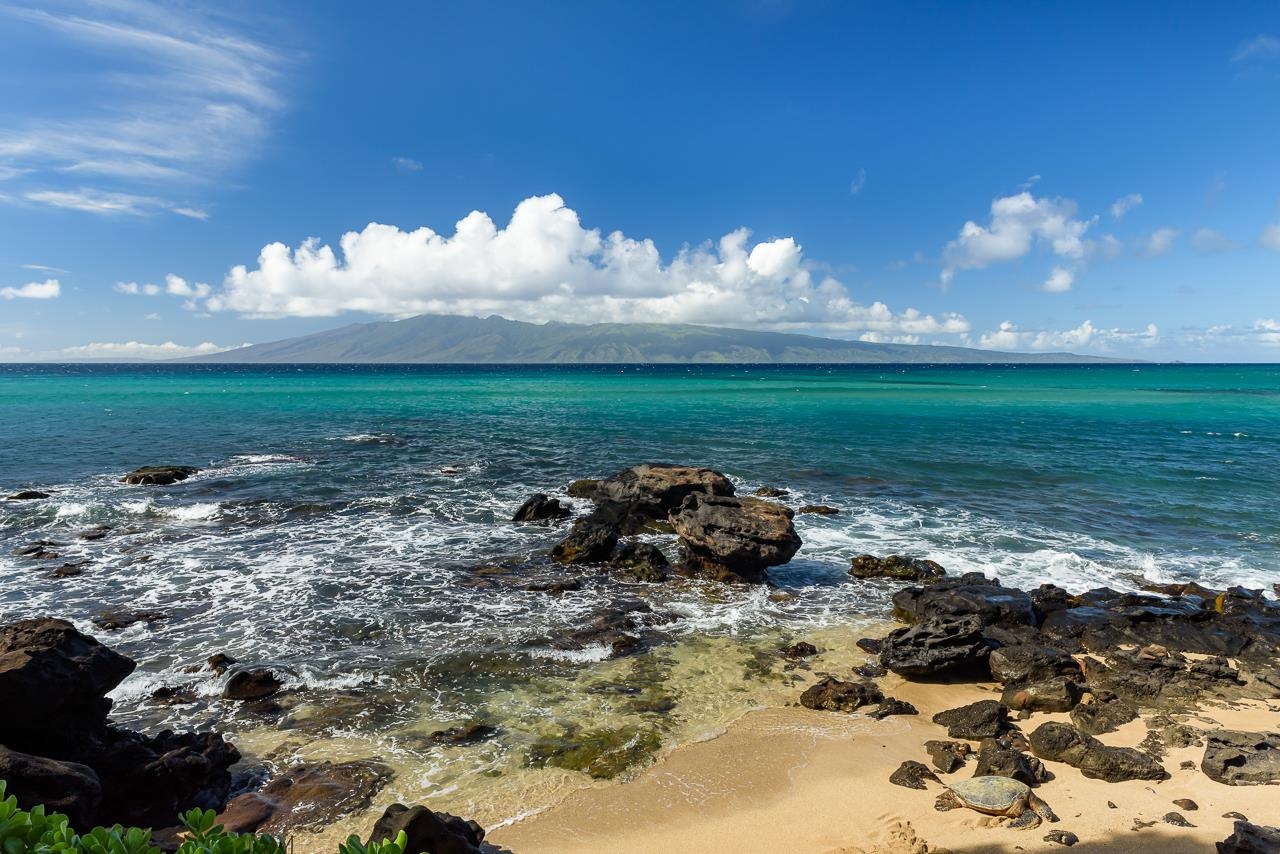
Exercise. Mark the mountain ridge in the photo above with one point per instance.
(457, 339)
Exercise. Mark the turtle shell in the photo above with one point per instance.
(995, 795)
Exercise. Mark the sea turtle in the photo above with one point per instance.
(997, 796)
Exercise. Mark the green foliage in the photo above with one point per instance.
(35, 832)
(353, 845)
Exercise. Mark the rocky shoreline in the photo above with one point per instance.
(1103, 658)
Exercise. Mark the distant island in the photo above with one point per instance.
(452, 339)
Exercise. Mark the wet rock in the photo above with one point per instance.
(947, 756)
(159, 475)
(833, 695)
(1186, 804)
(650, 492)
(438, 833)
(1242, 758)
(469, 733)
(619, 628)
(584, 488)
(913, 775)
(1249, 838)
(591, 540)
(251, 684)
(896, 567)
(539, 508)
(309, 796)
(1176, 819)
(641, 562)
(971, 594)
(219, 662)
(732, 538)
(871, 646)
(801, 649)
(123, 618)
(97, 532)
(937, 647)
(65, 787)
(1064, 743)
(69, 570)
(818, 510)
(770, 492)
(871, 669)
(996, 759)
(1023, 663)
(1052, 695)
(976, 721)
(39, 550)
(1102, 713)
(61, 675)
(1062, 837)
(890, 706)
(602, 754)
(27, 495)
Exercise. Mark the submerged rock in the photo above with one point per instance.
(427, 831)
(159, 475)
(1064, 743)
(307, 796)
(896, 567)
(734, 538)
(602, 754)
(27, 495)
(539, 508)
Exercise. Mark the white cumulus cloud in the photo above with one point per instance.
(48, 289)
(1123, 205)
(1086, 336)
(1060, 280)
(544, 265)
(134, 350)
(1017, 223)
(1212, 241)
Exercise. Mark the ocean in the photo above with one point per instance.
(344, 519)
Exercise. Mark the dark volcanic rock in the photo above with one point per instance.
(832, 695)
(1000, 760)
(27, 495)
(650, 492)
(438, 833)
(770, 492)
(893, 706)
(592, 540)
(584, 488)
(1242, 758)
(1051, 695)
(602, 754)
(159, 475)
(802, 649)
(219, 662)
(913, 775)
(308, 797)
(1104, 713)
(947, 756)
(896, 567)
(1062, 837)
(976, 721)
(937, 647)
(966, 595)
(818, 510)
(62, 677)
(251, 684)
(1249, 838)
(123, 618)
(539, 508)
(1022, 663)
(1064, 743)
(469, 733)
(65, 787)
(734, 538)
(641, 561)
(148, 780)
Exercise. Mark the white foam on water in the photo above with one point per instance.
(69, 509)
(586, 655)
(193, 512)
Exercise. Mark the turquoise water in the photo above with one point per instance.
(342, 511)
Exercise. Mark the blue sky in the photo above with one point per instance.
(1093, 177)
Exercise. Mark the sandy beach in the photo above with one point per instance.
(805, 782)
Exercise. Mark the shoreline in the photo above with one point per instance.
(814, 782)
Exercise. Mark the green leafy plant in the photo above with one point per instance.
(353, 845)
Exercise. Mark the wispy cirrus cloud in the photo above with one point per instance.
(406, 164)
(164, 100)
(1263, 46)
